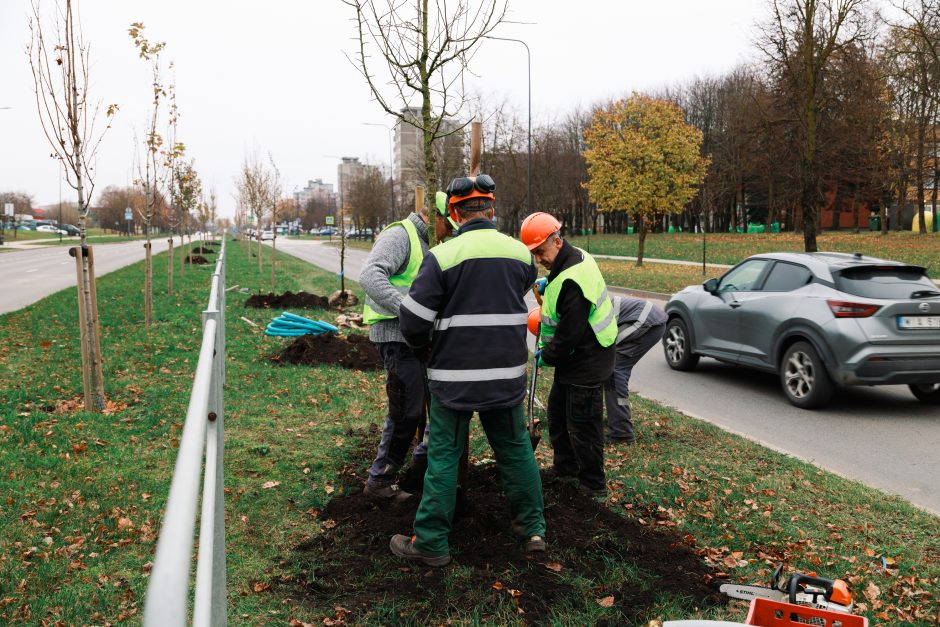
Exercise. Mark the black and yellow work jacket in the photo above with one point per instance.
(468, 301)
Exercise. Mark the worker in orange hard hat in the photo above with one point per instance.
(579, 329)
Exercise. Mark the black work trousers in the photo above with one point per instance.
(405, 385)
(576, 430)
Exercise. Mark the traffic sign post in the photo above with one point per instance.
(128, 217)
(330, 220)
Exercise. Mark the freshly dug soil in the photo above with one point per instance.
(196, 259)
(304, 300)
(203, 250)
(350, 565)
(350, 351)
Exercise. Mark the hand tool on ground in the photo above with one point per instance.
(799, 589)
(291, 325)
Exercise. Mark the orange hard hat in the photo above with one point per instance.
(537, 228)
(534, 320)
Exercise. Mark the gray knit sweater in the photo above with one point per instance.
(389, 257)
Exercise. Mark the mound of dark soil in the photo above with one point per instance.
(349, 351)
(301, 300)
(203, 250)
(196, 259)
(350, 564)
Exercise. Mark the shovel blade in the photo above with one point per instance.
(535, 438)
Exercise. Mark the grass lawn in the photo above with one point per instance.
(81, 494)
(729, 248)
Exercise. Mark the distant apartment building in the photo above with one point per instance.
(408, 151)
(315, 190)
(347, 173)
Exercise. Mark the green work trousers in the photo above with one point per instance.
(506, 431)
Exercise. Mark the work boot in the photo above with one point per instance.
(535, 544)
(403, 546)
(628, 440)
(413, 481)
(594, 493)
(391, 493)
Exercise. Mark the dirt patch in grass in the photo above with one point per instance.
(356, 352)
(302, 300)
(349, 564)
(203, 250)
(196, 259)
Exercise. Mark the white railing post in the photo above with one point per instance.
(203, 431)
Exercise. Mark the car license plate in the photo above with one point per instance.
(919, 322)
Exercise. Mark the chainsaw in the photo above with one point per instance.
(800, 589)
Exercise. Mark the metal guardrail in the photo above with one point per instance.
(168, 590)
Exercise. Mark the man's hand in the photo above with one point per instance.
(540, 285)
(423, 353)
(538, 358)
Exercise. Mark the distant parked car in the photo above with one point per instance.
(48, 228)
(327, 230)
(817, 320)
(266, 235)
(70, 229)
(360, 234)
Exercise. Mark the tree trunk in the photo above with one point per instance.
(921, 141)
(148, 282)
(641, 246)
(169, 266)
(855, 207)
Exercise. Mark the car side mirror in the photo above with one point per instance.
(711, 286)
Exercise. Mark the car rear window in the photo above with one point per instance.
(883, 282)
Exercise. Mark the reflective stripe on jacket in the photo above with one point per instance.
(469, 299)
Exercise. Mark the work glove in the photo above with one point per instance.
(538, 358)
(540, 285)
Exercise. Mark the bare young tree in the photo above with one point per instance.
(252, 186)
(799, 41)
(59, 60)
(272, 194)
(152, 175)
(425, 47)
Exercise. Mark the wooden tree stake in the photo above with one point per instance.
(476, 147)
(82, 323)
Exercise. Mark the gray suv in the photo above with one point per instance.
(815, 319)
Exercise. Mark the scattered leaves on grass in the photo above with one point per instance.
(554, 567)
(607, 601)
(270, 484)
(261, 586)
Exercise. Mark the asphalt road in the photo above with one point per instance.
(30, 275)
(880, 436)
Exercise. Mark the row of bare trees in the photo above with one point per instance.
(72, 122)
(839, 116)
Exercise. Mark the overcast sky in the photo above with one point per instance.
(272, 77)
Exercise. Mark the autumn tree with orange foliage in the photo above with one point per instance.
(642, 157)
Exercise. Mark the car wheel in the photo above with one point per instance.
(804, 378)
(677, 345)
(926, 392)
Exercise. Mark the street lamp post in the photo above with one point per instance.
(528, 54)
(391, 166)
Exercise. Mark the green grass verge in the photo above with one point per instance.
(731, 248)
(81, 494)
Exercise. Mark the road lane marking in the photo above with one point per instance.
(33, 270)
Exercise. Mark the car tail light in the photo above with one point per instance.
(847, 309)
